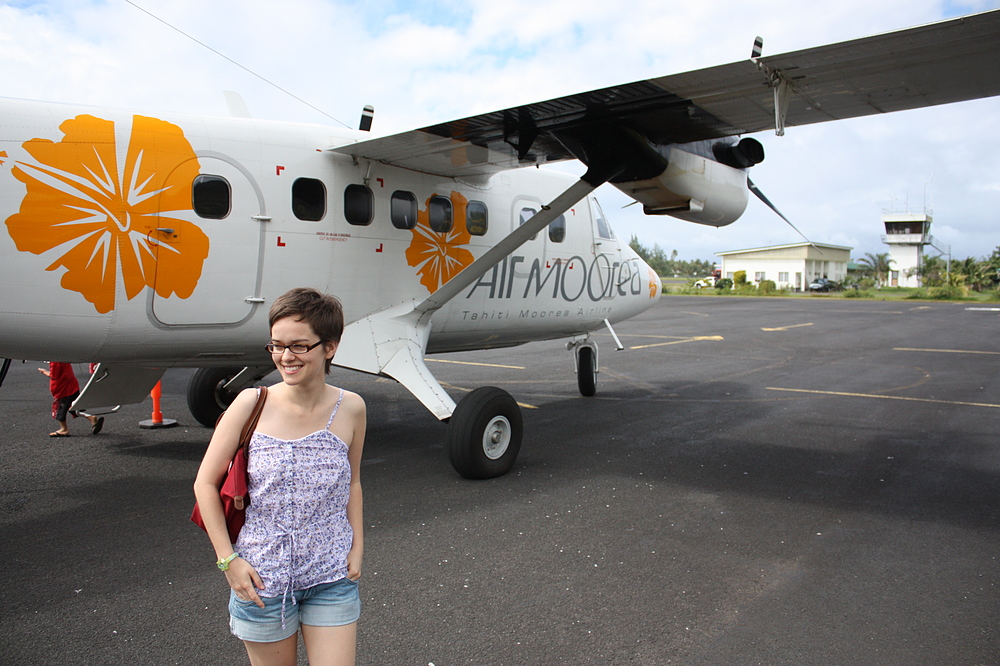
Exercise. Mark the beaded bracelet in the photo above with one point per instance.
(224, 564)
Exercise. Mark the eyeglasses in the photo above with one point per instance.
(295, 349)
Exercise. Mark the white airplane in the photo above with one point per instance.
(152, 242)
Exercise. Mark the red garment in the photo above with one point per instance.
(62, 380)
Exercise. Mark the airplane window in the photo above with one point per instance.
(476, 218)
(603, 228)
(527, 214)
(359, 205)
(210, 196)
(308, 199)
(439, 214)
(403, 210)
(557, 229)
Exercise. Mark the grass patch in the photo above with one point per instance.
(955, 294)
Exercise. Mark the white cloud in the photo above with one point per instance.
(422, 63)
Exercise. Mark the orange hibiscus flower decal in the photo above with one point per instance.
(654, 284)
(95, 208)
(3, 153)
(439, 256)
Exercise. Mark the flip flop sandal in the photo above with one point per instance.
(58, 434)
(98, 425)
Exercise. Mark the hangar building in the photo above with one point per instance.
(789, 266)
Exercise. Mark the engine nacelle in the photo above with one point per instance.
(693, 188)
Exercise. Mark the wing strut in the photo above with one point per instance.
(392, 342)
(778, 83)
(760, 195)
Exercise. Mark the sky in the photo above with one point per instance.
(421, 63)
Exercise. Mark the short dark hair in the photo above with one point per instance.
(322, 312)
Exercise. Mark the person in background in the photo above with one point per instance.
(65, 389)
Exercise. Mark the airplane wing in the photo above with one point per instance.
(938, 63)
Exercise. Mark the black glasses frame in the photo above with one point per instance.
(295, 349)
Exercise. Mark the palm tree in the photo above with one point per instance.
(978, 274)
(876, 266)
(933, 271)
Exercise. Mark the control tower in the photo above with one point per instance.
(906, 234)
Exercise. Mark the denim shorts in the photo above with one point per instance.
(324, 605)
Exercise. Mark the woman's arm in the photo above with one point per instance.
(355, 512)
(212, 472)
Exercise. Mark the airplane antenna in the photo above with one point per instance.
(246, 69)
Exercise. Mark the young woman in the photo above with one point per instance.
(297, 560)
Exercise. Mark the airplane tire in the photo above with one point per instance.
(3, 370)
(484, 434)
(207, 397)
(586, 373)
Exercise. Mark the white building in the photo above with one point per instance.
(906, 234)
(789, 266)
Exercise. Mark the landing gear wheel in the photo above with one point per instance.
(207, 396)
(484, 434)
(586, 371)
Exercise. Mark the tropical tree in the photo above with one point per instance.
(876, 266)
(979, 275)
(933, 271)
(976, 274)
(655, 257)
(993, 264)
(670, 265)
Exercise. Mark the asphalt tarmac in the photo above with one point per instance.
(757, 481)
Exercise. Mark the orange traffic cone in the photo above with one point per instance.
(157, 421)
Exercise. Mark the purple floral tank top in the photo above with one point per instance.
(296, 533)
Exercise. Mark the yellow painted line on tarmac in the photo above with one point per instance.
(524, 405)
(697, 338)
(485, 365)
(785, 328)
(946, 351)
(655, 337)
(886, 397)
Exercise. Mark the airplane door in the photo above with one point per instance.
(230, 272)
(607, 253)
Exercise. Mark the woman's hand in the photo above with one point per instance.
(243, 578)
(354, 564)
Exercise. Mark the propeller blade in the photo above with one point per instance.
(760, 195)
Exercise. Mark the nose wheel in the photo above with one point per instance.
(585, 351)
(484, 433)
(586, 371)
(207, 396)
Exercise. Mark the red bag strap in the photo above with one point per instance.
(251, 423)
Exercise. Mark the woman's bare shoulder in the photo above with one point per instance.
(244, 401)
(352, 402)
(239, 409)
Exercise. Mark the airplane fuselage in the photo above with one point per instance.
(162, 241)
